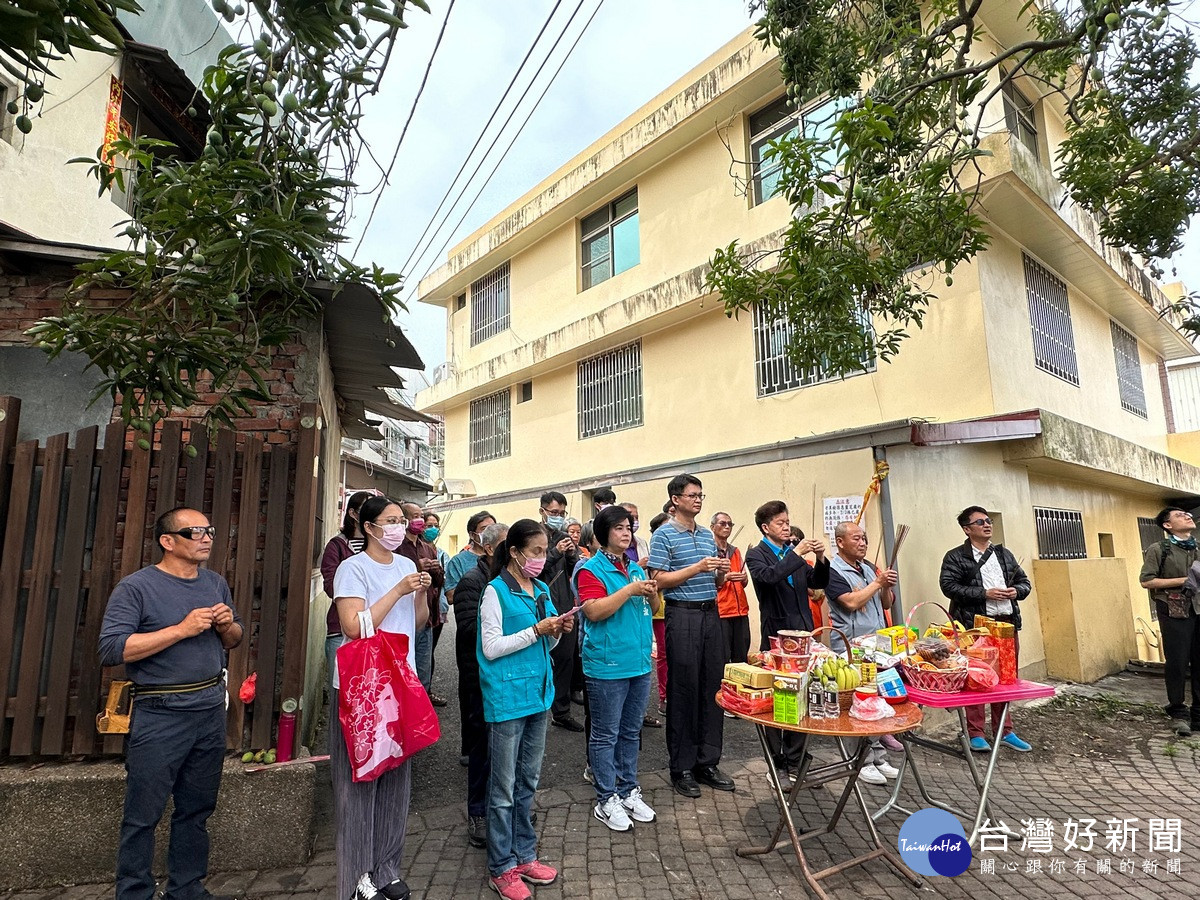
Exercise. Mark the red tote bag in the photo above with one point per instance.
(385, 713)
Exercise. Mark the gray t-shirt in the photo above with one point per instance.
(150, 600)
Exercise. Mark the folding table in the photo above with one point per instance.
(907, 717)
(1005, 694)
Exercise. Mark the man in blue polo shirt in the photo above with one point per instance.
(684, 562)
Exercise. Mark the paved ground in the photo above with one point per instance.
(1107, 757)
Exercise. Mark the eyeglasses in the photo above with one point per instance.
(392, 521)
(722, 524)
(196, 532)
(980, 522)
(691, 496)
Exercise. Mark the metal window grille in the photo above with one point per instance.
(489, 305)
(1020, 118)
(610, 391)
(1059, 533)
(1129, 371)
(1050, 322)
(774, 372)
(491, 426)
(437, 441)
(1148, 532)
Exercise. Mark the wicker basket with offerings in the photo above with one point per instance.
(934, 663)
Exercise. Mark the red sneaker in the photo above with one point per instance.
(509, 885)
(537, 872)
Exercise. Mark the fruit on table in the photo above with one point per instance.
(840, 673)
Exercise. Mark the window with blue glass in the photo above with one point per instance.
(609, 240)
(781, 120)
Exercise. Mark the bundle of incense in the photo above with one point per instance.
(901, 534)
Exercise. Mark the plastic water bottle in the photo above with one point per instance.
(816, 700)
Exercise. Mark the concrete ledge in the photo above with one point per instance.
(60, 822)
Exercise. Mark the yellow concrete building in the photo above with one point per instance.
(584, 351)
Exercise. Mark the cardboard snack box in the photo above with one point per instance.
(750, 676)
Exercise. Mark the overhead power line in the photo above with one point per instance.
(404, 268)
(511, 144)
(408, 121)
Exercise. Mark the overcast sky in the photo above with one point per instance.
(632, 50)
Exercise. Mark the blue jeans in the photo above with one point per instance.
(618, 706)
(423, 650)
(516, 747)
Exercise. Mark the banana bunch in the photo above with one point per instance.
(839, 673)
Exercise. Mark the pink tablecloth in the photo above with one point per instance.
(1007, 693)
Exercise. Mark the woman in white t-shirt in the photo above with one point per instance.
(372, 815)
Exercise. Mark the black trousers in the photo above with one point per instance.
(562, 659)
(474, 726)
(176, 753)
(695, 658)
(735, 631)
(1181, 647)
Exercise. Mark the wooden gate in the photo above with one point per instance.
(77, 515)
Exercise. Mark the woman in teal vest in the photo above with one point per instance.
(619, 603)
(513, 649)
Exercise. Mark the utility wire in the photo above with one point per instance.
(512, 113)
(492, 174)
(479, 139)
(412, 110)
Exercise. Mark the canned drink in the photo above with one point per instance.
(869, 670)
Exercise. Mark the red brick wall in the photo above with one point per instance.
(27, 298)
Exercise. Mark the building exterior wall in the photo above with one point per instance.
(972, 358)
(1017, 383)
(43, 193)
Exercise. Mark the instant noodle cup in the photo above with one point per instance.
(774, 639)
(791, 663)
(795, 641)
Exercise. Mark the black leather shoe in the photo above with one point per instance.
(685, 784)
(397, 890)
(568, 722)
(712, 776)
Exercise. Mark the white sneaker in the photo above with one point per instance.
(613, 814)
(637, 808)
(366, 889)
(587, 775)
(871, 775)
(887, 770)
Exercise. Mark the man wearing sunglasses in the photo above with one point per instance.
(171, 625)
(984, 579)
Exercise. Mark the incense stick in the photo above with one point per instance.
(901, 534)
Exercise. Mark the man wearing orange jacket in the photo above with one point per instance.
(731, 595)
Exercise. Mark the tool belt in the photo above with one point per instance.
(152, 690)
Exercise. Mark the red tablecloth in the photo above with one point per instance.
(1005, 693)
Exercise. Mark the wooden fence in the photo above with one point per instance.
(77, 515)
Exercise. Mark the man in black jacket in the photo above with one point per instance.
(467, 594)
(984, 579)
(782, 578)
(561, 557)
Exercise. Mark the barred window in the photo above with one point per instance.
(491, 426)
(1050, 322)
(1129, 371)
(610, 391)
(774, 372)
(609, 240)
(1059, 533)
(489, 305)
(1149, 533)
(1019, 117)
